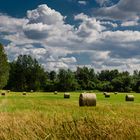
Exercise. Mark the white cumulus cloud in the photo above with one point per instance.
(123, 10)
(44, 34)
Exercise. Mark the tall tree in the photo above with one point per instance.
(26, 74)
(67, 81)
(86, 78)
(123, 82)
(4, 67)
(51, 84)
(136, 81)
(106, 75)
(52, 76)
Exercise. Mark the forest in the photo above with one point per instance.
(26, 74)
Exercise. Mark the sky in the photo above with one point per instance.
(99, 34)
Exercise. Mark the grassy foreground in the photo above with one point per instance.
(45, 116)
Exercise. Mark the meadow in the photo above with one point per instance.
(45, 116)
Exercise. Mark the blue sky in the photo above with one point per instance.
(102, 34)
(19, 8)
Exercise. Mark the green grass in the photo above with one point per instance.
(48, 116)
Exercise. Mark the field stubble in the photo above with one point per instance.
(45, 116)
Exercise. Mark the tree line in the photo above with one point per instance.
(25, 74)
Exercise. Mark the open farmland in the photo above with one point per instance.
(49, 116)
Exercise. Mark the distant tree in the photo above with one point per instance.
(52, 76)
(67, 81)
(26, 74)
(51, 84)
(86, 78)
(117, 84)
(105, 86)
(4, 67)
(137, 86)
(136, 81)
(122, 83)
(106, 75)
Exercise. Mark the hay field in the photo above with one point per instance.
(46, 116)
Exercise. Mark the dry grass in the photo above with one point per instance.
(38, 126)
(50, 117)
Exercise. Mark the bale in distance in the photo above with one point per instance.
(87, 99)
(66, 95)
(104, 93)
(55, 92)
(31, 91)
(24, 93)
(107, 95)
(8, 91)
(3, 93)
(129, 98)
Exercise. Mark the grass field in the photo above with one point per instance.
(45, 116)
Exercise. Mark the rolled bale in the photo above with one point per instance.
(66, 95)
(8, 91)
(31, 91)
(104, 93)
(3, 93)
(55, 93)
(24, 93)
(87, 99)
(129, 97)
(107, 95)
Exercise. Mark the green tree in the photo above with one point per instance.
(136, 81)
(51, 84)
(52, 76)
(26, 74)
(137, 86)
(106, 75)
(122, 83)
(67, 81)
(86, 78)
(4, 67)
(105, 86)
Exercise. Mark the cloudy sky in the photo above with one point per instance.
(103, 34)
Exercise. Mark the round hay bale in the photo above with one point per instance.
(8, 91)
(104, 93)
(107, 95)
(129, 98)
(115, 93)
(3, 93)
(66, 95)
(31, 91)
(55, 92)
(87, 99)
(24, 93)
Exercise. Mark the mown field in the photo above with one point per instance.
(45, 116)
